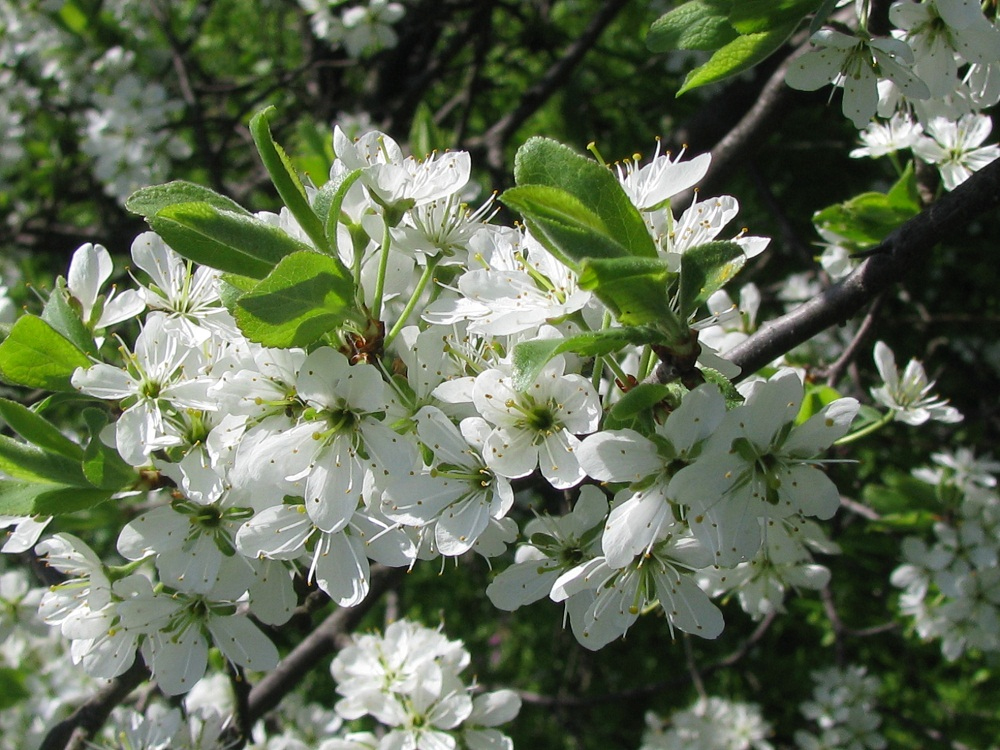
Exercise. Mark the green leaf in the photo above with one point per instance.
(635, 408)
(27, 462)
(698, 24)
(287, 182)
(756, 16)
(102, 465)
(819, 20)
(636, 290)
(150, 201)
(425, 136)
(329, 200)
(223, 239)
(816, 397)
(232, 286)
(530, 357)
(59, 314)
(867, 219)
(32, 498)
(541, 161)
(35, 355)
(561, 222)
(13, 687)
(740, 54)
(305, 296)
(37, 430)
(314, 151)
(704, 270)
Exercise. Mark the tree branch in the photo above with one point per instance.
(73, 732)
(902, 250)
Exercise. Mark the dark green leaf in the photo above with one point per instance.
(305, 296)
(151, 200)
(756, 16)
(706, 269)
(13, 687)
(222, 239)
(37, 430)
(35, 355)
(102, 465)
(282, 174)
(698, 24)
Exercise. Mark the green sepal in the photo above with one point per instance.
(102, 465)
(35, 355)
(636, 290)
(285, 180)
(541, 161)
(306, 295)
(224, 239)
(530, 357)
(37, 430)
(741, 54)
(149, 201)
(704, 270)
(59, 314)
(732, 396)
(698, 24)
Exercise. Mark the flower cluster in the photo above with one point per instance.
(712, 723)
(929, 81)
(409, 680)
(401, 440)
(951, 586)
(362, 30)
(844, 708)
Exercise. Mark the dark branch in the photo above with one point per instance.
(73, 732)
(903, 250)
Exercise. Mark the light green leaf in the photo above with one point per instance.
(706, 269)
(541, 161)
(37, 430)
(35, 355)
(698, 24)
(329, 200)
(740, 54)
(756, 16)
(32, 498)
(530, 357)
(287, 182)
(150, 201)
(27, 462)
(561, 222)
(223, 239)
(867, 219)
(59, 314)
(636, 290)
(305, 296)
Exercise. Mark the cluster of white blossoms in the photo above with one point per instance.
(844, 708)
(712, 723)
(362, 29)
(951, 586)
(402, 441)
(409, 679)
(928, 82)
(128, 135)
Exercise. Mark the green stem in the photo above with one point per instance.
(383, 265)
(866, 431)
(422, 282)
